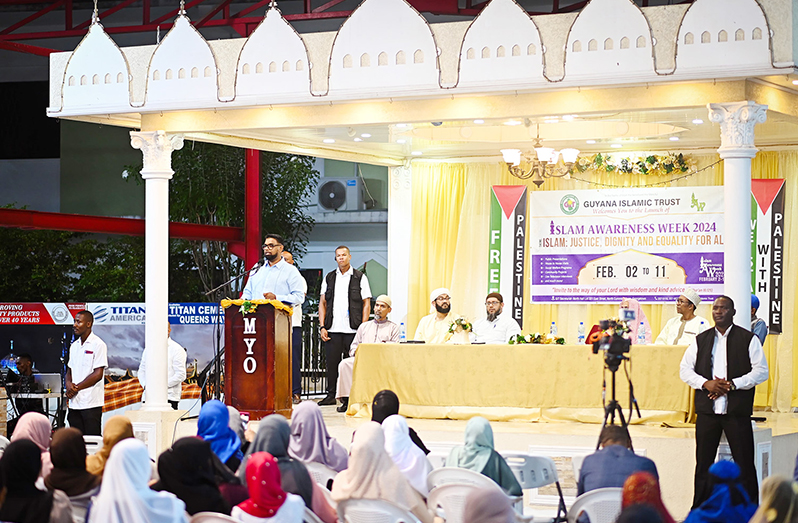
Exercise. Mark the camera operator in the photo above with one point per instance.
(23, 383)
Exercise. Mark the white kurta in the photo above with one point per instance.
(692, 328)
(498, 331)
(430, 330)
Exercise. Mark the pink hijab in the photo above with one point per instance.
(36, 427)
(634, 305)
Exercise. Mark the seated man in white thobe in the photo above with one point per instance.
(682, 329)
(378, 330)
(497, 328)
(434, 328)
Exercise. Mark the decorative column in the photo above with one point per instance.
(737, 121)
(400, 208)
(157, 147)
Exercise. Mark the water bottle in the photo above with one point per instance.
(580, 333)
(702, 327)
(641, 333)
(402, 332)
(553, 329)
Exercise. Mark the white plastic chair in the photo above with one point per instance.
(311, 517)
(93, 444)
(438, 458)
(576, 463)
(321, 474)
(372, 511)
(211, 517)
(449, 475)
(535, 472)
(80, 504)
(601, 505)
(448, 502)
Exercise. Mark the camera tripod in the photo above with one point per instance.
(613, 407)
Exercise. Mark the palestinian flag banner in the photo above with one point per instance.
(506, 247)
(767, 249)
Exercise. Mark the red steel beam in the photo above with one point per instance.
(213, 13)
(25, 48)
(31, 18)
(252, 202)
(322, 8)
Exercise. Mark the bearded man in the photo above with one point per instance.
(497, 328)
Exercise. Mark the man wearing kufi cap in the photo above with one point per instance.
(378, 330)
(434, 328)
(682, 329)
(497, 328)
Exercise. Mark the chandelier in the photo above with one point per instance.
(545, 165)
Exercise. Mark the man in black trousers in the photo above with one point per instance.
(724, 365)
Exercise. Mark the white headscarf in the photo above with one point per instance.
(405, 454)
(434, 296)
(126, 497)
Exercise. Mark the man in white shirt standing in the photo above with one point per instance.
(273, 278)
(85, 387)
(345, 303)
(724, 365)
(497, 328)
(176, 360)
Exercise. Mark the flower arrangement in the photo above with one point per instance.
(537, 338)
(247, 307)
(647, 165)
(460, 324)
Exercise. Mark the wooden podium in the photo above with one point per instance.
(257, 360)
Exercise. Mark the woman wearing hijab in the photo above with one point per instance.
(36, 427)
(406, 455)
(310, 441)
(488, 505)
(478, 455)
(779, 501)
(640, 317)
(69, 474)
(125, 496)
(642, 488)
(386, 403)
(21, 464)
(213, 426)
(639, 514)
(186, 470)
(237, 424)
(373, 475)
(116, 429)
(273, 437)
(729, 502)
(267, 502)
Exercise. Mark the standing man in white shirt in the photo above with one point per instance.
(176, 359)
(296, 340)
(85, 386)
(724, 365)
(497, 328)
(345, 303)
(273, 278)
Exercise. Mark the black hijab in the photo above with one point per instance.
(386, 403)
(21, 464)
(68, 454)
(186, 470)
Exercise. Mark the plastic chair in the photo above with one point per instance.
(455, 475)
(372, 511)
(601, 505)
(211, 517)
(448, 502)
(438, 458)
(576, 463)
(321, 474)
(93, 444)
(535, 472)
(311, 517)
(80, 504)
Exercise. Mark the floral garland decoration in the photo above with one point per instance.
(458, 324)
(537, 338)
(651, 164)
(247, 307)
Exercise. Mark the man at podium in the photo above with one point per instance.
(273, 278)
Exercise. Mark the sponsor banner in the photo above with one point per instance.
(644, 243)
(106, 313)
(506, 247)
(767, 249)
(39, 313)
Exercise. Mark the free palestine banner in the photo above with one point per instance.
(643, 243)
(506, 247)
(767, 249)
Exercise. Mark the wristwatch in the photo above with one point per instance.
(733, 386)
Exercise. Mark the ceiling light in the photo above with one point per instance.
(698, 121)
(568, 117)
(513, 122)
(590, 142)
(328, 140)
(545, 165)
(416, 153)
(401, 140)
(365, 135)
(616, 146)
(674, 138)
(358, 139)
(479, 121)
(795, 82)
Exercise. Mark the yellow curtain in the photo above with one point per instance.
(450, 223)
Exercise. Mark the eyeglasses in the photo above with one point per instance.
(493, 302)
(443, 298)
(270, 245)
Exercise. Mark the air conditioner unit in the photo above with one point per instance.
(340, 194)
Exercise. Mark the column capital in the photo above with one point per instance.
(157, 147)
(737, 121)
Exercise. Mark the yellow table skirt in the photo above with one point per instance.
(518, 382)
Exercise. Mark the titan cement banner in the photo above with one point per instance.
(643, 243)
(767, 249)
(506, 247)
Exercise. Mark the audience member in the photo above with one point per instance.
(125, 495)
(268, 501)
(729, 502)
(640, 317)
(610, 466)
(488, 505)
(36, 427)
(434, 328)
(274, 436)
(682, 329)
(478, 455)
(21, 465)
(372, 475)
(410, 459)
(386, 403)
(69, 474)
(639, 514)
(758, 325)
(497, 328)
(378, 330)
(186, 470)
(116, 429)
(238, 426)
(176, 370)
(642, 488)
(310, 441)
(213, 425)
(779, 501)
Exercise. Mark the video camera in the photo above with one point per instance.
(612, 341)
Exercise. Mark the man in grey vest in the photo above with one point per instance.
(724, 365)
(345, 303)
